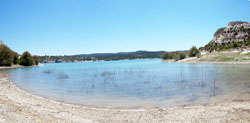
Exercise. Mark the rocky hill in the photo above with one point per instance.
(234, 36)
(1, 42)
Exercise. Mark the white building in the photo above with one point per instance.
(1, 42)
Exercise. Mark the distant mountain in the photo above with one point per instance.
(235, 35)
(104, 56)
(124, 55)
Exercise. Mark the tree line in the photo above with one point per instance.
(8, 57)
(104, 56)
(179, 55)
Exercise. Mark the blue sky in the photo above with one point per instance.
(59, 27)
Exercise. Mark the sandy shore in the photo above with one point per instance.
(13, 66)
(197, 60)
(19, 106)
(18, 66)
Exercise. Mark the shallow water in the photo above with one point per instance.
(132, 83)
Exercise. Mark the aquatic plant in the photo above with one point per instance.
(203, 76)
(62, 76)
(48, 71)
(108, 76)
(214, 88)
(181, 82)
(106, 73)
(213, 85)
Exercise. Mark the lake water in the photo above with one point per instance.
(132, 83)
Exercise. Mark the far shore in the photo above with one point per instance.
(227, 57)
(196, 60)
(19, 106)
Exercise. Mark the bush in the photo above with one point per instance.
(174, 55)
(6, 56)
(170, 55)
(165, 56)
(193, 52)
(15, 59)
(182, 55)
(26, 59)
(36, 60)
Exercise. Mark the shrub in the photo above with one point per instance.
(15, 59)
(165, 56)
(26, 59)
(182, 55)
(193, 52)
(170, 55)
(6, 56)
(36, 60)
(212, 46)
(174, 55)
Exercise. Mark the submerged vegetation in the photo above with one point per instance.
(200, 80)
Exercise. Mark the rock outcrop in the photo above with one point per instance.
(236, 31)
(236, 35)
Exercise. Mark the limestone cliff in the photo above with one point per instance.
(234, 35)
(236, 31)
